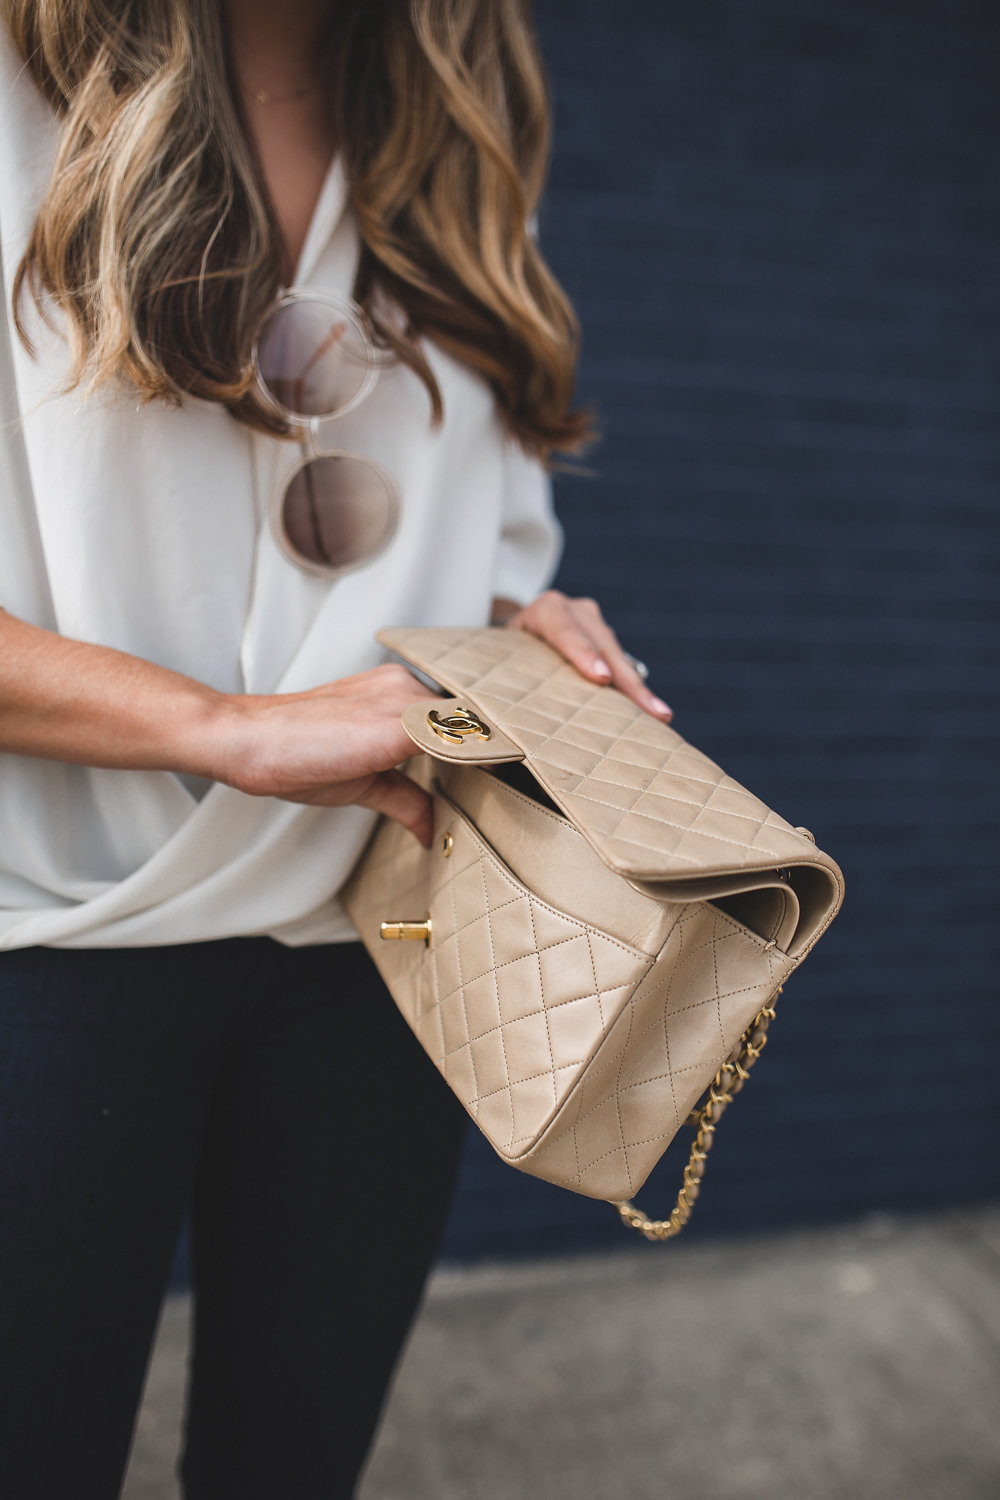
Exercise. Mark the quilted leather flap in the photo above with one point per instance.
(654, 808)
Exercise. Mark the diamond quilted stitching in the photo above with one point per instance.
(643, 795)
(651, 1101)
(527, 1047)
(554, 962)
(531, 1099)
(468, 955)
(550, 929)
(536, 698)
(495, 1024)
(455, 1036)
(481, 1006)
(518, 989)
(616, 797)
(460, 1072)
(573, 1024)
(494, 1110)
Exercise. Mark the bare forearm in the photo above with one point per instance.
(331, 745)
(65, 700)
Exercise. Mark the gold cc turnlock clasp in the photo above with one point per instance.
(459, 723)
(406, 931)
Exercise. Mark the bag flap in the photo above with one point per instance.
(653, 807)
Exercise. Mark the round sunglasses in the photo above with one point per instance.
(314, 360)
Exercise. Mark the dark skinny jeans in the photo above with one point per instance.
(277, 1094)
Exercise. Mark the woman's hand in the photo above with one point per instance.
(336, 744)
(577, 630)
(89, 705)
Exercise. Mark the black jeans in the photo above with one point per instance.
(279, 1094)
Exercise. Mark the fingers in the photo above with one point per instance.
(568, 628)
(389, 684)
(628, 681)
(577, 629)
(623, 673)
(398, 797)
(388, 792)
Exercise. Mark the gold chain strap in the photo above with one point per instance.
(723, 1089)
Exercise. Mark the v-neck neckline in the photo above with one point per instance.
(326, 215)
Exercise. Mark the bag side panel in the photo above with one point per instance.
(682, 1023)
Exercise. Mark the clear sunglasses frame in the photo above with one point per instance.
(307, 423)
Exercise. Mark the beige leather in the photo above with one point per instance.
(587, 973)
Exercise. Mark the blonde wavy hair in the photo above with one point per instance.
(158, 244)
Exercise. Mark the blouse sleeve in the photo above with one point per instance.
(531, 538)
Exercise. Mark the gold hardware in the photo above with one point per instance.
(406, 931)
(457, 725)
(447, 845)
(806, 834)
(724, 1087)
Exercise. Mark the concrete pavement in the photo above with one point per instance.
(860, 1363)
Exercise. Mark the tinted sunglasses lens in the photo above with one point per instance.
(338, 511)
(314, 357)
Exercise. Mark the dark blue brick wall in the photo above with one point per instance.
(780, 222)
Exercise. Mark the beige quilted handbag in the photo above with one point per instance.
(601, 925)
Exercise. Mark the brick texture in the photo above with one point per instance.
(780, 223)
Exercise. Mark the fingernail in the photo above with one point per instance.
(601, 668)
(659, 707)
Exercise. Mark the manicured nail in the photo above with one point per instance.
(601, 669)
(659, 707)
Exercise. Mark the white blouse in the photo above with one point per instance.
(146, 529)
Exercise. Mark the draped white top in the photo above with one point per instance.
(146, 529)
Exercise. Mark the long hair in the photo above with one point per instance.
(158, 244)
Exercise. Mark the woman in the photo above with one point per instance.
(197, 727)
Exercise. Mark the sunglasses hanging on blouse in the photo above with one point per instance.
(314, 360)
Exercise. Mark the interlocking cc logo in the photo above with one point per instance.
(459, 724)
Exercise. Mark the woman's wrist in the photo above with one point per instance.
(199, 734)
(229, 739)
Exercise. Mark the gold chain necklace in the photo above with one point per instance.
(264, 96)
